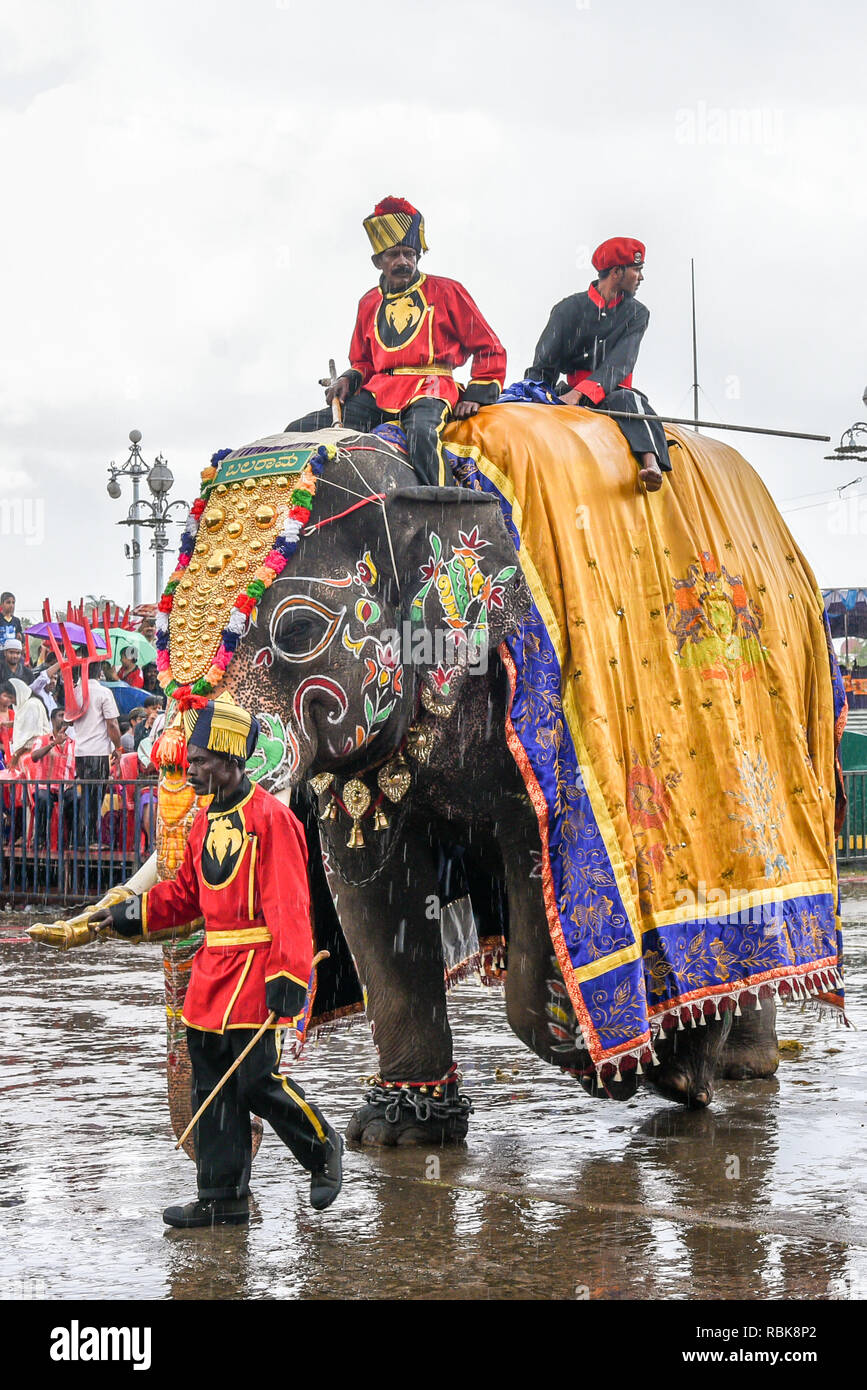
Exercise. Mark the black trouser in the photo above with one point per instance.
(90, 796)
(642, 436)
(46, 798)
(423, 422)
(222, 1136)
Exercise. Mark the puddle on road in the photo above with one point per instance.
(554, 1196)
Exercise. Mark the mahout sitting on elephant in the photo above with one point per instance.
(619, 715)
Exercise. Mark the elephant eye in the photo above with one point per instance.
(301, 628)
(295, 638)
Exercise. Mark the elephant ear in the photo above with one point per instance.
(462, 588)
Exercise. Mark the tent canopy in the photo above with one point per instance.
(847, 611)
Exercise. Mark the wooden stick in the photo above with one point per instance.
(330, 380)
(322, 955)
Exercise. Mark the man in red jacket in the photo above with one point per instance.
(412, 330)
(245, 871)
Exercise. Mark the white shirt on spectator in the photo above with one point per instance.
(91, 735)
(39, 686)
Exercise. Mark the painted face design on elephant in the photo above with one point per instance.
(318, 623)
(383, 672)
(466, 596)
(270, 751)
(302, 629)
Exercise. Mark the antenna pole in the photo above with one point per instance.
(694, 351)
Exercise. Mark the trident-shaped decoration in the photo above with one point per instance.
(68, 660)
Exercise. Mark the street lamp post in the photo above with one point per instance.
(143, 512)
(851, 449)
(135, 468)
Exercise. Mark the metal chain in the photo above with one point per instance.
(425, 1108)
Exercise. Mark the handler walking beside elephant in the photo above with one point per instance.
(244, 870)
(593, 339)
(412, 330)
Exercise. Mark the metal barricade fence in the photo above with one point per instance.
(852, 840)
(65, 842)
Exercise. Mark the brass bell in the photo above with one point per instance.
(356, 839)
(330, 812)
(380, 820)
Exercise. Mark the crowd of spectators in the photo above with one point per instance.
(98, 750)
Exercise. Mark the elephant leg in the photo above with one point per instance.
(689, 1061)
(537, 1002)
(393, 931)
(751, 1050)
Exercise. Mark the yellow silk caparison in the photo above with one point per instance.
(694, 674)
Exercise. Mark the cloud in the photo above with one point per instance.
(185, 187)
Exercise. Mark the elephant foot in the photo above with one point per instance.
(750, 1051)
(688, 1063)
(400, 1115)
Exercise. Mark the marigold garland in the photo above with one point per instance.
(298, 514)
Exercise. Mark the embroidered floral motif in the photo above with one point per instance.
(762, 818)
(621, 1012)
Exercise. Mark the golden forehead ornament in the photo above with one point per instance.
(238, 528)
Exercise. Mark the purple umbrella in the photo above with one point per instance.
(77, 634)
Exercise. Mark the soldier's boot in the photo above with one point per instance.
(215, 1211)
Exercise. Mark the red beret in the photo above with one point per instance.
(618, 250)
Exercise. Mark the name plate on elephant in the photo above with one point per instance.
(258, 465)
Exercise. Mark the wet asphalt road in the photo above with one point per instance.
(554, 1196)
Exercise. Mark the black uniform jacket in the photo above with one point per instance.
(593, 344)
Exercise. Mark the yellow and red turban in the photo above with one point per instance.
(395, 222)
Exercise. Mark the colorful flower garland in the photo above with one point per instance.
(300, 507)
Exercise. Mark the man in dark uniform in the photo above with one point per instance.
(593, 338)
(412, 330)
(244, 870)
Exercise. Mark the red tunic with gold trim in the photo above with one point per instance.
(245, 871)
(406, 345)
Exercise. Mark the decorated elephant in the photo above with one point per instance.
(609, 720)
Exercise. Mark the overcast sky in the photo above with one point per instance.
(184, 184)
